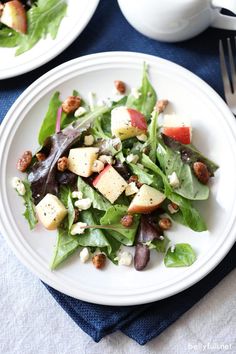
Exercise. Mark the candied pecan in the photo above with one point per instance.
(201, 172)
(24, 162)
(165, 223)
(127, 220)
(71, 104)
(62, 164)
(120, 86)
(99, 260)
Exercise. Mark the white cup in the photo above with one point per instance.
(177, 20)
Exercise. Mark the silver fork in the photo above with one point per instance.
(228, 76)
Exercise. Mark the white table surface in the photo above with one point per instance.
(33, 323)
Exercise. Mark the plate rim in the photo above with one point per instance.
(54, 50)
(141, 57)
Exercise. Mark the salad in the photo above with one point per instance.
(24, 22)
(113, 176)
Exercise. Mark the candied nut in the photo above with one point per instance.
(161, 105)
(62, 164)
(71, 104)
(201, 172)
(120, 86)
(76, 218)
(127, 220)
(24, 162)
(165, 223)
(99, 260)
(40, 156)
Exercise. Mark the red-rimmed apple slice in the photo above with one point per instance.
(146, 200)
(127, 123)
(14, 16)
(177, 128)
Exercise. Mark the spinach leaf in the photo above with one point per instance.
(148, 163)
(66, 198)
(8, 37)
(98, 201)
(189, 154)
(182, 256)
(66, 245)
(92, 237)
(112, 218)
(190, 187)
(152, 138)
(29, 213)
(97, 130)
(145, 177)
(42, 19)
(49, 122)
(147, 98)
(160, 245)
(190, 215)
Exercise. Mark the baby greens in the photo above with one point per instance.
(181, 256)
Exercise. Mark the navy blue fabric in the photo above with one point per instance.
(109, 31)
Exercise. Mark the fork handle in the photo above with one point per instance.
(224, 21)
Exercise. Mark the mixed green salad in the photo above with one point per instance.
(24, 22)
(113, 174)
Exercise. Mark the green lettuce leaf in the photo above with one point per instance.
(43, 18)
(147, 98)
(190, 187)
(146, 177)
(160, 245)
(29, 213)
(66, 199)
(8, 37)
(98, 201)
(111, 219)
(66, 245)
(182, 256)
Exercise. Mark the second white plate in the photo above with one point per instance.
(78, 15)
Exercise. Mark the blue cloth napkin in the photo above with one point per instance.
(109, 31)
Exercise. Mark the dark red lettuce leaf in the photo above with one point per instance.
(43, 175)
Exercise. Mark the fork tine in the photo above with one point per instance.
(224, 73)
(232, 65)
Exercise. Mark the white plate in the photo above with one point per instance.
(78, 14)
(214, 134)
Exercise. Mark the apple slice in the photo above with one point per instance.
(177, 128)
(127, 123)
(110, 183)
(14, 16)
(146, 200)
(80, 160)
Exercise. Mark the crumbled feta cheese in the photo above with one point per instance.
(83, 204)
(131, 189)
(80, 112)
(124, 258)
(88, 140)
(91, 98)
(18, 185)
(161, 238)
(78, 228)
(172, 249)
(84, 255)
(106, 159)
(77, 195)
(173, 179)
(142, 137)
(140, 166)
(131, 158)
(97, 166)
(135, 92)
